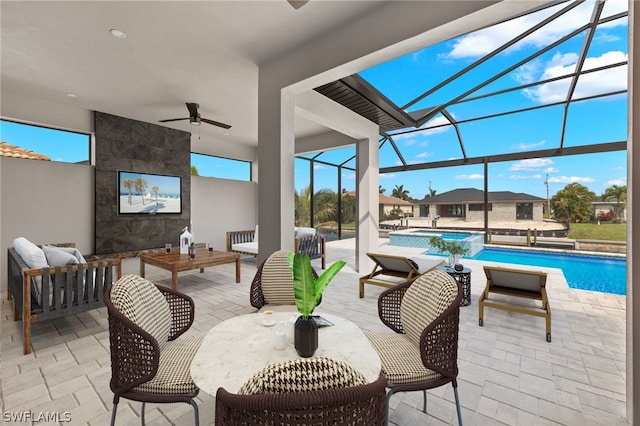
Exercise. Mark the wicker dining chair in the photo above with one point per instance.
(423, 352)
(273, 284)
(148, 362)
(307, 391)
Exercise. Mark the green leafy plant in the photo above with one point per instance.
(450, 247)
(308, 290)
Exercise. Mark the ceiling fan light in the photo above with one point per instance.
(195, 121)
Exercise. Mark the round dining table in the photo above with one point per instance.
(239, 347)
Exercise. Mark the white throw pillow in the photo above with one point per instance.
(255, 235)
(71, 250)
(57, 257)
(32, 255)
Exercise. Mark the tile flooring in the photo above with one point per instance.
(508, 374)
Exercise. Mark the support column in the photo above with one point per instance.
(367, 170)
(633, 221)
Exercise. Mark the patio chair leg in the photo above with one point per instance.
(113, 414)
(455, 393)
(195, 411)
(142, 414)
(424, 401)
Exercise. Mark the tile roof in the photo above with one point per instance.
(7, 150)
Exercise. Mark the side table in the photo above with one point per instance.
(463, 278)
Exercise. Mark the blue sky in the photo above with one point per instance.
(588, 122)
(403, 79)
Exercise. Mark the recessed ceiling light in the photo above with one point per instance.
(118, 33)
(72, 95)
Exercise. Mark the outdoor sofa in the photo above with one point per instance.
(56, 284)
(307, 241)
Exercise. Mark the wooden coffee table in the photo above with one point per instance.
(176, 262)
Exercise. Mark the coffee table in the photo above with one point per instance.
(176, 262)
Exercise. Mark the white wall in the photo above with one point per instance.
(49, 202)
(220, 205)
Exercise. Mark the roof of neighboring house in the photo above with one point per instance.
(476, 195)
(386, 200)
(7, 150)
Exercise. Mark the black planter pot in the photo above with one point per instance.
(305, 337)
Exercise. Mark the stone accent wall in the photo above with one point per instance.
(130, 145)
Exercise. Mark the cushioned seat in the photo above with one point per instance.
(307, 391)
(148, 364)
(423, 353)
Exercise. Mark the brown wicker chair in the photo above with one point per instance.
(423, 354)
(273, 284)
(144, 322)
(309, 391)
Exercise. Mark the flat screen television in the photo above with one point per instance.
(147, 193)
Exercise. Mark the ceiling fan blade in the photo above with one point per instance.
(216, 123)
(173, 119)
(193, 109)
(297, 4)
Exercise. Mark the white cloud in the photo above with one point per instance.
(619, 182)
(482, 42)
(551, 170)
(387, 176)
(438, 120)
(571, 179)
(607, 80)
(318, 167)
(531, 165)
(475, 176)
(525, 177)
(424, 155)
(529, 146)
(350, 176)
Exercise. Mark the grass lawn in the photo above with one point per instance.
(592, 231)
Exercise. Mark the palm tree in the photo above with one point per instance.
(400, 192)
(141, 185)
(128, 184)
(302, 202)
(325, 206)
(381, 190)
(432, 192)
(154, 191)
(573, 203)
(619, 194)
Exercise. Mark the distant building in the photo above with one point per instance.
(468, 204)
(8, 150)
(387, 204)
(602, 206)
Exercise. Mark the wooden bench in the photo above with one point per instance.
(64, 290)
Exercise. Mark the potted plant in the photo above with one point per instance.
(455, 250)
(308, 292)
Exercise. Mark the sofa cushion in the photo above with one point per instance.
(32, 255)
(251, 247)
(57, 257)
(302, 232)
(72, 250)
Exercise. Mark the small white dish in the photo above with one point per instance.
(268, 323)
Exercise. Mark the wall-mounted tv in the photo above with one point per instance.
(146, 193)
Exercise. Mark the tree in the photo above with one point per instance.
(573, 203)
(381, 190)
(432, 192)
(154, 191)
(141, 185)
(619, 195)
(128, 184)
(194, 171)
(400, 192)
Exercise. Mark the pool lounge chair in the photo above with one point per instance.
(390, 270)
(516, 283)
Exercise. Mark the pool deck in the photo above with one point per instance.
(508, 374)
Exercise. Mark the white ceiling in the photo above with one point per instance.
(175, 52)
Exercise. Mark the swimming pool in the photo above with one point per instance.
(598, 273)
(472, 241)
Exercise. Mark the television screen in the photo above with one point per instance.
(145, 193)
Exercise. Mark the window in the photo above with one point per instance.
(479, 207)
(524, 211)
(44, 143)
(218, 167)
(424, 210)
(455, 210)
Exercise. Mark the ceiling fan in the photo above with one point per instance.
(297, 4)
(195, 119)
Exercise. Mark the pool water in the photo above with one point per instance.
(444, 235)
(597, 273)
